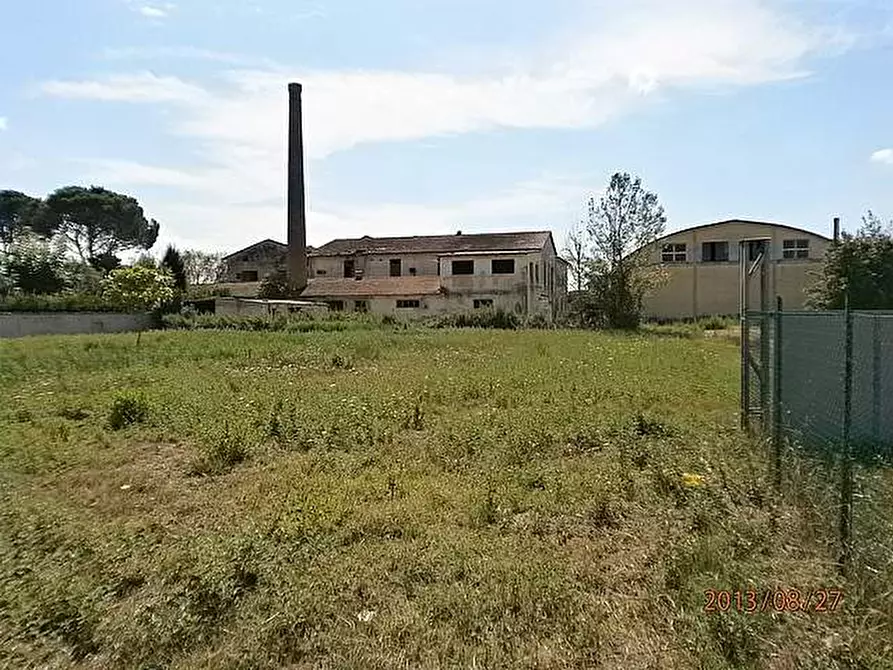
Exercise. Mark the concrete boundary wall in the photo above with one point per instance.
(22, 324)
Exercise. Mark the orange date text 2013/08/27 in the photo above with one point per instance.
(746, 601)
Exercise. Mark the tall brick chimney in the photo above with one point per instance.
(297, 216)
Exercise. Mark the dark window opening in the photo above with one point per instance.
(754, 248)
(361, 306)
(673, 253)
(714, 252)
(483, 303)
(412, 272)
(503, 266)
(336, 305)
(795, 249)
(463, 267)
(248, 275)
(408, 304)
(349, 268)
(396, 267)
(320, 272)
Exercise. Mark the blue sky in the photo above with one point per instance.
(431, 116)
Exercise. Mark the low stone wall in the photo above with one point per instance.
(21, 324)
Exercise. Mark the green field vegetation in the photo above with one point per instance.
(399, 498)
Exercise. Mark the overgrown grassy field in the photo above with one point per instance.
(398, 499)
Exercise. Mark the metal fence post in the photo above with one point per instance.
(776, 394)
(876, 380)
(846, 483)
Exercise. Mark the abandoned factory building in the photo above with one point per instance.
(519, 272)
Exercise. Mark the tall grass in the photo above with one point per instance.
(397, 498)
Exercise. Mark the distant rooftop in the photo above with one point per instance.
(458, 243)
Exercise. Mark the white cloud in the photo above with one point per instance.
(153, 12)
(883, 156)
(144, 87)
(4, 123)
(609, 65)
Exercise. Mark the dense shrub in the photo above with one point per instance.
(128, 408)
(293, 323)
(65, 302)
(484, 318)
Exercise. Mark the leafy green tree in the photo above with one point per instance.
(620, 223)
(35, 265)
(857, 266)
(275, 286)
(17, 212)
(146, 260)
(97, 223)
(203, 267)
(172, 261)
(138, 288)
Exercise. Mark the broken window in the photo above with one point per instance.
(714, 252)
(673, 253)
(396, 267)
(408, 304)
(320, 272)
(755, 248)
(463, 267)
(795, 249)
(483, 303)
(349, 268)
(412, 272)
(504, 266)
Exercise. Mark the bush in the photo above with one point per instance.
(127, 409)
(64, 302)
(484, 318)
(138, 288)
(293, 323)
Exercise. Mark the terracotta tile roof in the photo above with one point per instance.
(379, 286)
(530, 241)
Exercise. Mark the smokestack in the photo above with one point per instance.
(836, 228)
(297, 217)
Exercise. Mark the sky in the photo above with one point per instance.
(433, 116)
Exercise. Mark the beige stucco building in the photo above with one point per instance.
(702, 267)
(421, 275)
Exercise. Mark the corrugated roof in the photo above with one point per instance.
(529, 241)
(377, 287)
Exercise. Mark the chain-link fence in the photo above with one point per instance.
(820, 386)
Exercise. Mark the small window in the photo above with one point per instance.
(361, 306)
(248, 275)
(348, 268)
(463, 267)
(754, 247)
(536, 273)
(320, 272)
(483, 303)
(715, 252)
(396, 267)
(408, 304)
(795, 249)
(673, 253)
(505, 266)
(336, 305)
(412, 272)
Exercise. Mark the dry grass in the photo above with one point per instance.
(407, 499)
